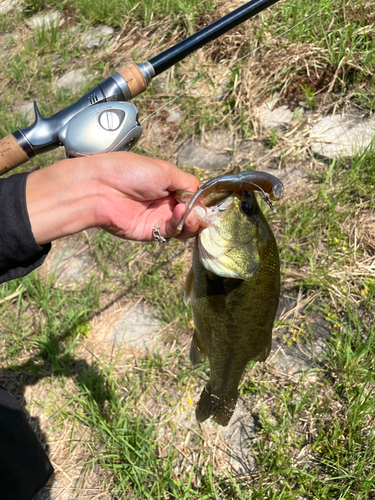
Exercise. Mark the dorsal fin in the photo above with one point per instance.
(235, 170)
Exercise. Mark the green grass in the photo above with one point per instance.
(313, 435)
(340, 194)
(117, 12)
(332, 418)
(343, 34)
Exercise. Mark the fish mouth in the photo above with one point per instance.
(206, 212)
(222, 206)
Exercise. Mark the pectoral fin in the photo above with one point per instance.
(235, 170)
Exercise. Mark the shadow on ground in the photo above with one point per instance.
(20, 376)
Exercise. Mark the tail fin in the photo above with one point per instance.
(220, 408)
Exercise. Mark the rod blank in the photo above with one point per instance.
(179, 51)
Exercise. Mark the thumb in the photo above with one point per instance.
(191, 226)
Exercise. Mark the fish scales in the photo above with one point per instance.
(233, 316)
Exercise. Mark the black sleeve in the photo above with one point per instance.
(24, 465)
(19, 252)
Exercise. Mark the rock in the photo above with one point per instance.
(44, 21)
(27, 112)
(7, 5)
(57, 490)
(210, 154)
(163, 83)
(74, 80)
(175, 116)
(70, 264)
(194, 155)
(214, 89)
(238, 437)
(342, 135)
(296, 359)
(321, 334)
(222, 93)
(288, 175)
(252, 152)
(286, 304)
(97, 36)
(136, 328)
(218, 140)
(275, 118)
(290, 360)
(157, 133)
(305, 355)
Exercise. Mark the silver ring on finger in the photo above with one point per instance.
(157, 235)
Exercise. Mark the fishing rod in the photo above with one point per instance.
(103, 120)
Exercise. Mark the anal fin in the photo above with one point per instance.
(196, 351)
(263, 355)
(189, 287)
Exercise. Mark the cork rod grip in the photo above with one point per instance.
(11, 154)
(134, 78)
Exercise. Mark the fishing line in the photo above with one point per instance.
(238, 60)
(266, 198)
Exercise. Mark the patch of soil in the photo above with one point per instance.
(71, 16)
(318, 80)
(361, 13)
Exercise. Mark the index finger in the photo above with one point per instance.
(177, 178)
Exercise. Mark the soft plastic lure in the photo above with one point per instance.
(271, 187)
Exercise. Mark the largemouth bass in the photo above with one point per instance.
(233, 286)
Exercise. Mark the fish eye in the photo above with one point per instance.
(246, 207)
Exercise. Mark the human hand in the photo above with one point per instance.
(135, 193)
(124, 193)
